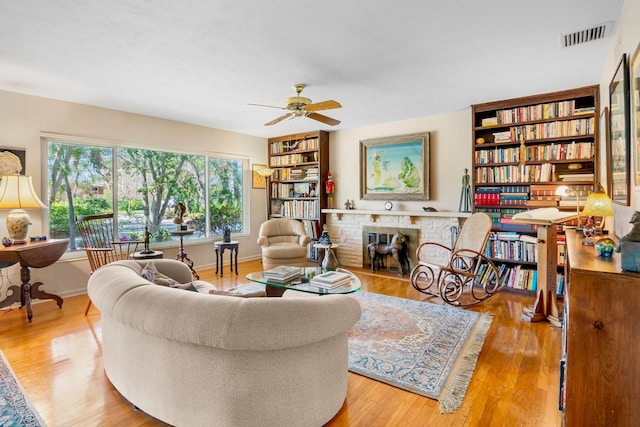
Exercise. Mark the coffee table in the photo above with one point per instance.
(301, 284)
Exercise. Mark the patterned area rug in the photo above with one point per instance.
(420, 347)
(15, 407)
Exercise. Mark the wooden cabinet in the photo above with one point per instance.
(523, 150)
(296, 187)
(601, 339)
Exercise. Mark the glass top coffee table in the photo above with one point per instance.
(302, 284)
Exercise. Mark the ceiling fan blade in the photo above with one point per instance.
(279, 119)
(324, 105)
(270, 106)
(323, 119)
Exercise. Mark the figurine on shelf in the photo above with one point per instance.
(465, 193)
(330, 188)
(352, 205)
(347, 205)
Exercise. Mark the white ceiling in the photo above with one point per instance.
(202, 61)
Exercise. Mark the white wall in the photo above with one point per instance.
(450, 154)
(23, 118)
(626, 40)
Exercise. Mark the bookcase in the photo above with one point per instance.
(296, 187)
(523, 150)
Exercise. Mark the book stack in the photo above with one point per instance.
(282, 274)
(576, 177)
(330, 279)
(489, 121)
(504, 136)
(542, 196)
(312, 174)
(296, 174)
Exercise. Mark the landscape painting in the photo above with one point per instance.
(395, 168)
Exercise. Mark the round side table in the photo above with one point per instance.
(141, 255)
(220, 247)
(182, 255)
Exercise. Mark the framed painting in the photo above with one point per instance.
(604, 139)
(257, 180)
(395, 167)
(634, 75)
(619, 127)
(12, 161)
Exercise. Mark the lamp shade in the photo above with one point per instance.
(597, 204)
(16, 192)
(265, 172)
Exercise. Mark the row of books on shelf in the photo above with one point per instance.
(518, 277)
(560, 129)
(299, 144)
(546, 152)
(515, 173)
(298, 189)
(295, 208)
(292, 159)
(513, 247)
(550, 110)
(299, 174)
(532, 196)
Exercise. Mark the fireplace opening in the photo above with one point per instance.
(391, 253)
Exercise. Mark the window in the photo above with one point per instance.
(144, 186)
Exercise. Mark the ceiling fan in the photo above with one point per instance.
(299, 106)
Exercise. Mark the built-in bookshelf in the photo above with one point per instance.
(523, 150)
(301, 164)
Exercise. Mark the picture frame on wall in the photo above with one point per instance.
(395, 167)
(634, 76)
(618, 150)
(257, 180)
(604, 138)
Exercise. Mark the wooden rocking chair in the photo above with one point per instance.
(99, 243)
(468, 277)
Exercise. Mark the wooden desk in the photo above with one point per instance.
(31, 255)
(601, 339)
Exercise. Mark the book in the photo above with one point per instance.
(331, 279)
(282, 273)
(543, 216)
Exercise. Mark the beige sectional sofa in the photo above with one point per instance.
(195, 359)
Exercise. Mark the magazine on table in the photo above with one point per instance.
(331, 279)
(282, 273)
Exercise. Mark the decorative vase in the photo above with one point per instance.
(330, 261)
(6, 241)
(605, 246)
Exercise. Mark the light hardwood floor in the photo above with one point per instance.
(58, 360)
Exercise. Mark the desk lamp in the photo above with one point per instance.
(598, 204)
(563, 190)
(17, 193)
(266, 173)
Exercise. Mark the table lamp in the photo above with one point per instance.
(17, 193)
(266, 173)
(598, 204)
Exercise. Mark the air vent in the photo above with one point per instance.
(590, 34)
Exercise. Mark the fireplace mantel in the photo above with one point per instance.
(411, 215)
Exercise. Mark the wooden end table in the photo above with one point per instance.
(220, 247)
(182, 255)
(31, 255)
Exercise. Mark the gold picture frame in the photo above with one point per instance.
(257, 180)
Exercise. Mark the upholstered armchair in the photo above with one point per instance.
(284, 242)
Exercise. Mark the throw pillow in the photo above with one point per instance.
(149, 271)
(163, 280)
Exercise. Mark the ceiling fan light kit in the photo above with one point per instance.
(299, 106)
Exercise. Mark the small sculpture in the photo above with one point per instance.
(634, 234)
(147, 250)
(324, 238)
(6, 241)
(465, 193)
(329, 188)
(347, 205)
(179, 212)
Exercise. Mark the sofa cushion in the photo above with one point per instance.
(150, 272)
